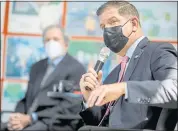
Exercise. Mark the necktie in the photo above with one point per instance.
(121, 76)
(49, 70)
(123, 67)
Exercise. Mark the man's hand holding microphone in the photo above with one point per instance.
(89, 82)
(94, 93)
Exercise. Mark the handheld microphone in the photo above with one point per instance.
(104, 54)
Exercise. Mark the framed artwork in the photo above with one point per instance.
(33, 17)
(83, 21)
(87, 53)
(21, 53)
(1, 48)
(3, 4)
(158, 19)
(11, 94)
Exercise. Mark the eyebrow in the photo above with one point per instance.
(113, 18)
(110, 19)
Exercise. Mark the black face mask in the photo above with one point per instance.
(114, 38)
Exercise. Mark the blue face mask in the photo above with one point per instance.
(114, 38)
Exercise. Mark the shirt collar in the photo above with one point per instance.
(131, 50)
(56, 61)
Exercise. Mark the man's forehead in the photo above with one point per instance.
(108, 12)
(55, 29)
(108, 15)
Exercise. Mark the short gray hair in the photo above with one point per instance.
(66, 38)
(124, 8)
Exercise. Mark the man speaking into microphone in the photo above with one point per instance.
(145, 78)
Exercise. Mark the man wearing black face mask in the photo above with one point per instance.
(145, 77)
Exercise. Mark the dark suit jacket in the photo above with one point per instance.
(151, 81)
(67, 69)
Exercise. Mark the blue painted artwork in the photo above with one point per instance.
(82, 19)
(22, 52)
(12, 93)
(157, 23)
(158, 19)
(87, 53)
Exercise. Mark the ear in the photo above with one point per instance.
(66, 41)
(135, 23)
(66, 45)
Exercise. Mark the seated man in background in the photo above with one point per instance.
(44, 74)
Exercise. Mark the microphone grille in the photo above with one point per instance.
(104, 54)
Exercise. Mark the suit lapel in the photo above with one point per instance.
(42, 70)
(132, 64)
(113, 76)
(135, 58)
(58, 71)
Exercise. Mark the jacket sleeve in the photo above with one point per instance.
(21, 105)
(162, 91)
(92, 116)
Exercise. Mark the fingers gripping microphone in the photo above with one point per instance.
(104, 54)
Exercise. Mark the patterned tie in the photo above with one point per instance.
(121, 76)
(123, 67)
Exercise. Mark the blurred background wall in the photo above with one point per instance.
(21, 42)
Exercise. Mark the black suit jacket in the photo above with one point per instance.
(67, 69)
(151, 81)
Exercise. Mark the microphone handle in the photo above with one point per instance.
(97, 68)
